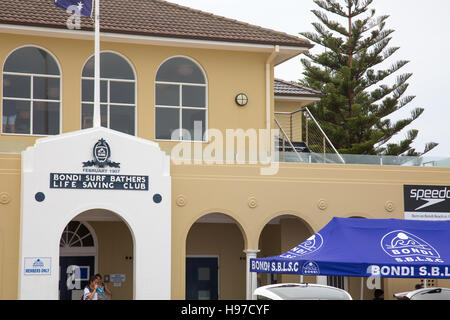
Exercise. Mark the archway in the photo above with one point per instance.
(215, 240)
(279, 235)
(96, 241)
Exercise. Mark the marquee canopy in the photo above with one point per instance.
(354, 247)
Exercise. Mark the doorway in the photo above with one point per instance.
(97, 241)
(202, 278)
(78, 259)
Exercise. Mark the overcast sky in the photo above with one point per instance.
(422, 31)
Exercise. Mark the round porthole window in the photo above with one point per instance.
(241, 99)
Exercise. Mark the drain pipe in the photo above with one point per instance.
(269, 84)
(275, 52)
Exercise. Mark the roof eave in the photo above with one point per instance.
(297, 97)
(287, 50)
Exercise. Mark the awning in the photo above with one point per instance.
(354, 247)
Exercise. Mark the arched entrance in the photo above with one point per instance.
(279, 235)
(136, 196)
(96, 241)
(215, 261)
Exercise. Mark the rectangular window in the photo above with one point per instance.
(168, 120)
(46, 88)
(121, 92)
(122, 119)
(45, 118)
(167, 95)
(194, 123)
(194, 96)
(118, 109)
(16, 86)
(88, 91)
(16, 116)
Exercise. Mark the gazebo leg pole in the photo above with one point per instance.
(362, 288)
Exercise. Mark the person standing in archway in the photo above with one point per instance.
(106, 294)
(90, 291)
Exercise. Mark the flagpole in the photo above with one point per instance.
(97, 119)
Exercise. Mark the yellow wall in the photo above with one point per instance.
(9, 225)
(228, 73)
(115, 246)
(225, 241)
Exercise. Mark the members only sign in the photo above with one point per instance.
(426, 202)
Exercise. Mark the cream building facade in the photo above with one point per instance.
(155, 226)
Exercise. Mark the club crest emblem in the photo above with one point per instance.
(400, 243)
(310, 267)
(101, 153)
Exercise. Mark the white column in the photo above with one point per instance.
(251, 276)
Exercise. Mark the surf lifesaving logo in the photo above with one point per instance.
(101, 153)
(311, 245)
(310, 268)
(407, 247)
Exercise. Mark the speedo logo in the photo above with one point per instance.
(431, 196)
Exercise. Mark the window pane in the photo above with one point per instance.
(16, 116)
(167, 95)
(46, 118)
(122, 119)
(167, 120)
(87, 114)
(195, 122)
(31, 60)
(88, 91)
(194, 96)
(16, 86)
(46, 88)
(112, 66)
(121, 92)
(88, 241)
(180, 70)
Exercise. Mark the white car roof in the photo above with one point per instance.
(269, 292)
(410, 294)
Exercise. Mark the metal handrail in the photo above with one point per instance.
(323, 133)
(288, 140)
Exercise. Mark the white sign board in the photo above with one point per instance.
(38, 266)
(117, 278)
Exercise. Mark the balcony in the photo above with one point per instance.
(357, 159)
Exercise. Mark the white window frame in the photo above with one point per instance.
(31, 99)
(108, 102)
(180, 107)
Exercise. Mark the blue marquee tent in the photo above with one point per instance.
(353, 247)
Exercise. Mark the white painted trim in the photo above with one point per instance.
(297, 98)
(287, 52)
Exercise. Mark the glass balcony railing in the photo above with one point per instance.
(349, 159)
(284, 157)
